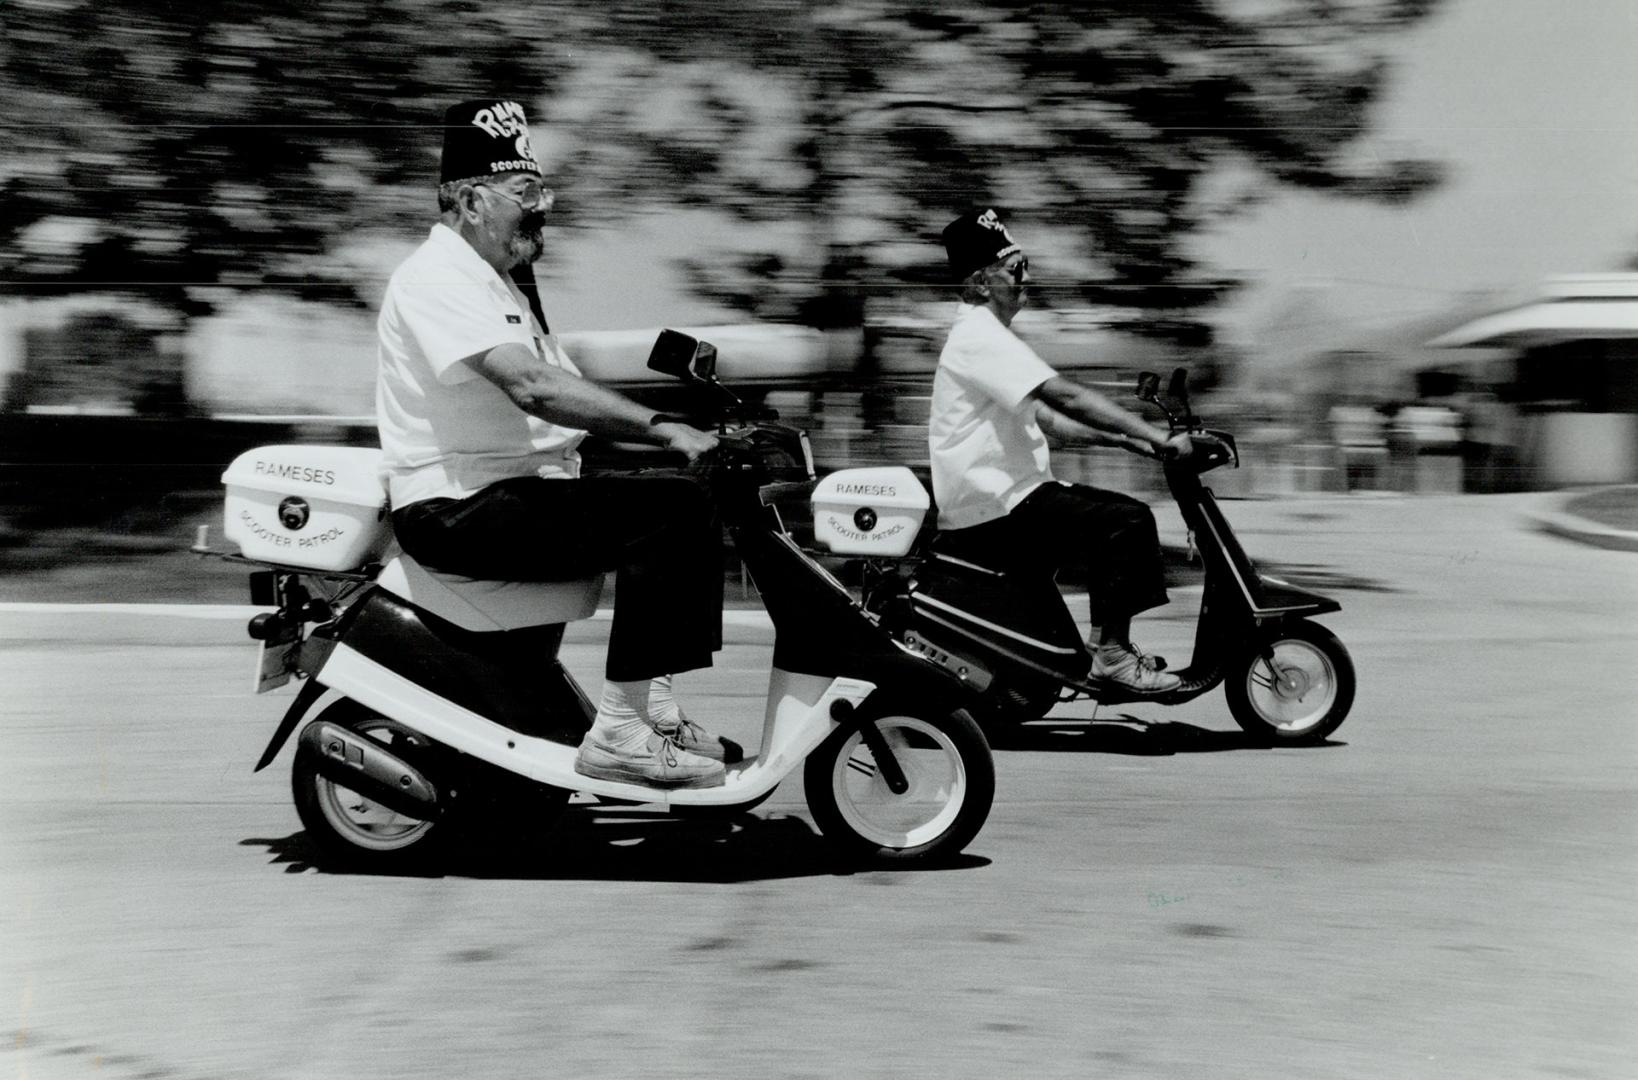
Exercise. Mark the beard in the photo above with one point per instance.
(527, 245)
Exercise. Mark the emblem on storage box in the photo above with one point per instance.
(294, 512)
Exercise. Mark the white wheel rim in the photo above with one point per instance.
(358, 820)
(937, 791)
(1300, 689)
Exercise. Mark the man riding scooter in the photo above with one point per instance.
(994, 403)
(480, 414)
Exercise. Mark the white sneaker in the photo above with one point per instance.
(1126, 665)
(657, 762)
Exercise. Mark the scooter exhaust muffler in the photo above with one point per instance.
(361, 764)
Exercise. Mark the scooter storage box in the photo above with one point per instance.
(874, 511)
(315, 507)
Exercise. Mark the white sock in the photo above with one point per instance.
(623, 715)
(663, 709)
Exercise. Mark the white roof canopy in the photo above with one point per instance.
(1567, 309)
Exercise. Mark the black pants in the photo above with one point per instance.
(1106, 539)
(659, 534)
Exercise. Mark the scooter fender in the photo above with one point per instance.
(310, 692)
(905, 677)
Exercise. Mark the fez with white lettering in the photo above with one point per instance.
(485, 137)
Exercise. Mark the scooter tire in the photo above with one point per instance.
(952, 786)
(1309, 702)
(348, 831)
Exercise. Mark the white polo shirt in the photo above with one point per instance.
(987, 450)
(446, 431)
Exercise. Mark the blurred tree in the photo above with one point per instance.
(1110, 136)
(167, 150)
(173, 150)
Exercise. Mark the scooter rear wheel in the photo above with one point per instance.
(347, 828)
(951, 774)
(1304, 697)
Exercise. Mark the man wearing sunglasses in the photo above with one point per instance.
(994, 403)
(481, 412)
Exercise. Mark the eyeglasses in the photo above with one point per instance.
(533, 196)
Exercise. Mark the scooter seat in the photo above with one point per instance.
(482, 604)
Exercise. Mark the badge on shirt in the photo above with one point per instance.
(515, 319)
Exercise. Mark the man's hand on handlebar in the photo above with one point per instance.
(1177, 447)
(686, 440)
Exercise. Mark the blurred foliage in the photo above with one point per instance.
(166, 148)
(169, 148)
(97, 360)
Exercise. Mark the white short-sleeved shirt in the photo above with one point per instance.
(988, 452)
(446, 431)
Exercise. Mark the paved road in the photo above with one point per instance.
(1447, 891)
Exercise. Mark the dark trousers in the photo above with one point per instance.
(1104, 538)
(659, 534)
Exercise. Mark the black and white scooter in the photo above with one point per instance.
(430, 699)
(1012, 640)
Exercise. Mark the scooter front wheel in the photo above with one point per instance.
(1303, 696)
(347, 828)
(951, 775)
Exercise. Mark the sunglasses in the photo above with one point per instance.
(532, 197)
(1017, 270)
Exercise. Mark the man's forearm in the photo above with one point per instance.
(558, 397)
(1067, 429)
(1086, 406)
(576, 402)
(1099, 412)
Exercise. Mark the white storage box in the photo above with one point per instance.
(875, 511)
(317, 507)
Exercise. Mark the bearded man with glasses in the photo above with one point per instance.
(994, 403)
(481, 412)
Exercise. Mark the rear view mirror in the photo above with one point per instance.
(705, 361)
(1148, 386)
(683, 357)
(1178, 389)
(673, 354)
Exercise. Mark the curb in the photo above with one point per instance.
(1549, 516)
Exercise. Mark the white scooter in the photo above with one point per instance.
(441, 697)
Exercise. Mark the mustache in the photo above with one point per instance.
(532, 223)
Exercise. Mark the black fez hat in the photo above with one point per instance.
(485, 137)
(974, 240)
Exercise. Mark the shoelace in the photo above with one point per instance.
(668, 748)
(1144, 661)
(687, 733)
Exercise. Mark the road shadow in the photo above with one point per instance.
(599, 843)
(1122, 733)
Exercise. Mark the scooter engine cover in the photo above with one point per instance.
(871, 511)
(1017, 613)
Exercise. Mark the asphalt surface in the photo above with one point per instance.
(1446, 890)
